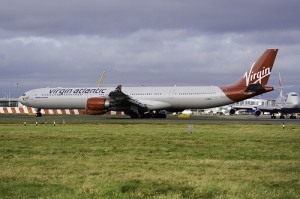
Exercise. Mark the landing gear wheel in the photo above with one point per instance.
(38, 113)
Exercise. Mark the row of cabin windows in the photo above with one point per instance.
(196, 93)
(147, 94)
(156, 94)
(175, 93)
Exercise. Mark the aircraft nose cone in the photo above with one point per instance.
(20, 99)
(23, 100)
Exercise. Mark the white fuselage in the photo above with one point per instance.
(155, 98)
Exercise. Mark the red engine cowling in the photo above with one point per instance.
(96, 106)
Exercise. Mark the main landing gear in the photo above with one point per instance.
(282, 116)
(38, 113)
(151, 114)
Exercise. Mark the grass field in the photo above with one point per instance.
(150, 160)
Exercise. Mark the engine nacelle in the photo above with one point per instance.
(96, 106)
(257, 113)
(232, 111)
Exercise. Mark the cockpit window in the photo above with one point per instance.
(24, 94)
(294, 94)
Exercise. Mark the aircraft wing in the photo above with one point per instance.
(256, 109)
(269, 109)
(274, 109)
(247, 108)
(117, 98)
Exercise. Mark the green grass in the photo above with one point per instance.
(116, 159)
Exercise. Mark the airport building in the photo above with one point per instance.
(256, 102)
(9, 102)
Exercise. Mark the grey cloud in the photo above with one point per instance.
(119, 16)
(69, 43)
(150, 52)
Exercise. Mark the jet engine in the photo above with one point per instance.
(257, 113)
(96, 106)
(232, 111)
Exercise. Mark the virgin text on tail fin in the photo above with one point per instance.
(253, 77)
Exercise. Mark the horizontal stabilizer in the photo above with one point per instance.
(252, 88)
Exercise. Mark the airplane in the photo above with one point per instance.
(288, 104)
(154, 102)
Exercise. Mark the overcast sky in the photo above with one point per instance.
(64, 43)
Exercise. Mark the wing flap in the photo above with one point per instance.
(155, 105)
(269, 109)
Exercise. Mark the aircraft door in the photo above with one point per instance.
(171, 93)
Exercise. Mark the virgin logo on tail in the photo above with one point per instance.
(255, 77)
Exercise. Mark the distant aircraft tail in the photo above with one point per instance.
(254, 82)
(280, 86)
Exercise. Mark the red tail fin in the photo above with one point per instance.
(260, 71)
(254, 80)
